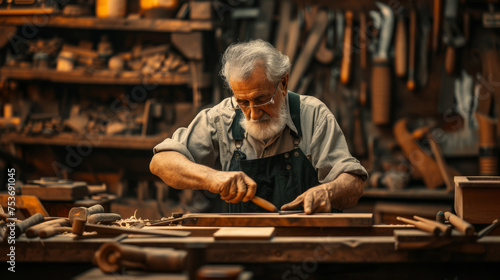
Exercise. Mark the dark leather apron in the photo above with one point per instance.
(280, 178)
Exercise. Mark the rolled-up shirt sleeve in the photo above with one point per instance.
(196, 142)
(329, 151)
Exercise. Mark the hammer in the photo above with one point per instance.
(83, 213)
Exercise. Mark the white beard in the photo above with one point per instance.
(266, 127)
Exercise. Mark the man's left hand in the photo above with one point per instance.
(315, 199)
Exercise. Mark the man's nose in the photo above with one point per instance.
(255, 113)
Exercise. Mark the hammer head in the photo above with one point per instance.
(78, 226)
(83, 213)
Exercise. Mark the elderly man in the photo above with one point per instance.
(263, 141)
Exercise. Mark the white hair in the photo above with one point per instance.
(240, 59)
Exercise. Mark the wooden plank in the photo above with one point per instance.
(57, 192)
(149, 25)
(244, 233)
(98, 141)
(276, 220)
(345, 249)
(100, 77)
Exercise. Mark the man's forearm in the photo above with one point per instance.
(177, 171)
(345, 191)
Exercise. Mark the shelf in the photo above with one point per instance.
(149, 25)
(97, 141)
(98, 77)
(410, 193)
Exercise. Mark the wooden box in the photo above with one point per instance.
(477, 198)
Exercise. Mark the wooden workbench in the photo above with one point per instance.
(325, 248)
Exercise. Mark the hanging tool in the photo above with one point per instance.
(381, 72)
(425, 27)
(363, 88)
(436, 25)
(400, 46)
(284, 24)
(345, 70)
(488, 148)
(312, 42)
(412, 45)
(335, 106)
(453, 38)
(326, 49)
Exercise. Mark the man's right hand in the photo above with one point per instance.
(233, 186)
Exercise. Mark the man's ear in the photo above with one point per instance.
(284, 83)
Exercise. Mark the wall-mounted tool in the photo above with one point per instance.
(312, 42)
(345, 70)
(326, 49)
(436, 25)
(381, 72)
(400, 46)
(488, 148)
(452, 37)
(425, 27)
(411, 46)
(363, 57)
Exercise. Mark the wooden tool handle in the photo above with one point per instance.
(363, 59)
(400, 47)
(53, 230)
(34, 231)
(111, 257)
(264, 204)
(381, 92)
(436, 25)
(95, 209)
(445, 229)
(103, 218)
(421, 225)
(411, 55)
(450, 60)
(31, 221)
(461, 225)
(345, 68)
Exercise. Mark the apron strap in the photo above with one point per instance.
(294, 103)
(238, 131)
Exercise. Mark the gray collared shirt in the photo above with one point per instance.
(208, 140)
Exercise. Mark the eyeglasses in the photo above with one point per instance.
(244, 103)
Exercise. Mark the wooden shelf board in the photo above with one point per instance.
(411, 193)
(149, 25)
(99, 77)
(99, 141)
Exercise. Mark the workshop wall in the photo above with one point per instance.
(88, 90)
